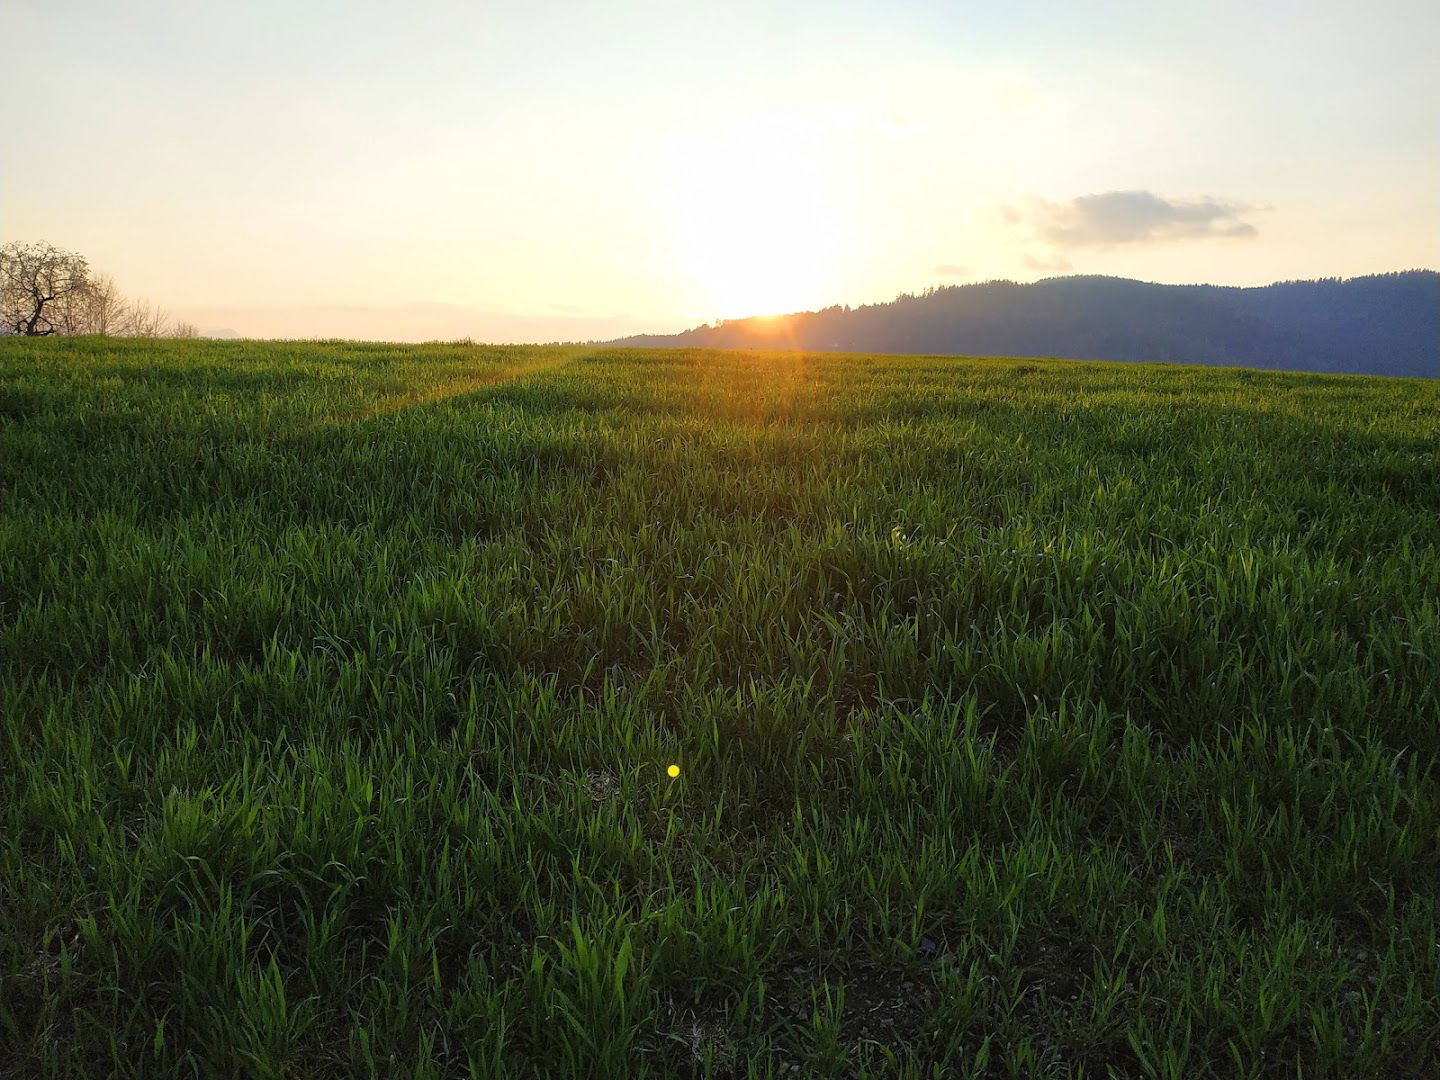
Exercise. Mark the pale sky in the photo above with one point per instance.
(557, 171)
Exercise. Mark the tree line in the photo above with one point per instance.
(46, 290)
(1381, 324)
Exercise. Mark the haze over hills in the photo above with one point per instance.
(1383, 324)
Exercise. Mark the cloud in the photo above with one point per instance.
(1035, 262)
(950, 270)
(1130, 217)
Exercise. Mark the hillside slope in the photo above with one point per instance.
(1385, 324)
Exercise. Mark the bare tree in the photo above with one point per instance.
(104, 307)
(144, 319)
(41, 288)
(44, 290)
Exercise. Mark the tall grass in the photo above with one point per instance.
(1034, 719)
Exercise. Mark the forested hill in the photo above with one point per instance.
(1385, 324)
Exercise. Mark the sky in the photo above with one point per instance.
(542, 171)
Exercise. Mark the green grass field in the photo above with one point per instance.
(1034, 718)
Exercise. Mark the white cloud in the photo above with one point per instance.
(1113, 218)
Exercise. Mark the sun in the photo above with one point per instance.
(754, 220)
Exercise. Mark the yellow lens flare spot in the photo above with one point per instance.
(674, 771)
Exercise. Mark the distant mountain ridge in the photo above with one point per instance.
(1383, 324)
